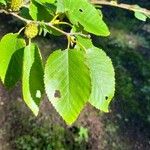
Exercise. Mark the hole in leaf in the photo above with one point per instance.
(80, 10)
(57, 94)
(106, 97)
(38, 94)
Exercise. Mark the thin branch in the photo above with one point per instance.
(40, 23)
(19, 17)
(123, 6)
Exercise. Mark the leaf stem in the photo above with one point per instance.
(69, 41)
(21, 30)
(65, 23)
(55, 17)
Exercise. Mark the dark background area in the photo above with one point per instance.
(126, 127)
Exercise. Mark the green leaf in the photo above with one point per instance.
(102, 74)
(81, 11)
(140, 16)
(32, 81)
(102, 78)
(39, 12)
(67, 83)
(3, 2)
(11, 53)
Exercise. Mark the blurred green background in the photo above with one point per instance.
(126, 127)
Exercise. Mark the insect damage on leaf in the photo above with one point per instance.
(57, 94)
(106, 97)
(80, 10)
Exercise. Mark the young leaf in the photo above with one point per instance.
(81, 11)
(102, 78)
(67, 83)
(11, 53)
(140, 16)
(32, 81)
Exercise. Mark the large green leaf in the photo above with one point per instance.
(102, 74)
(67, 83)
(11, 53)
(102, 78)
(81, 11)
(32, 81)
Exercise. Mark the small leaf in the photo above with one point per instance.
(11, 53)
(81, 11)
(67, 83)
(32, 81)
(3, 2)
(140, 16)
(102, 78)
